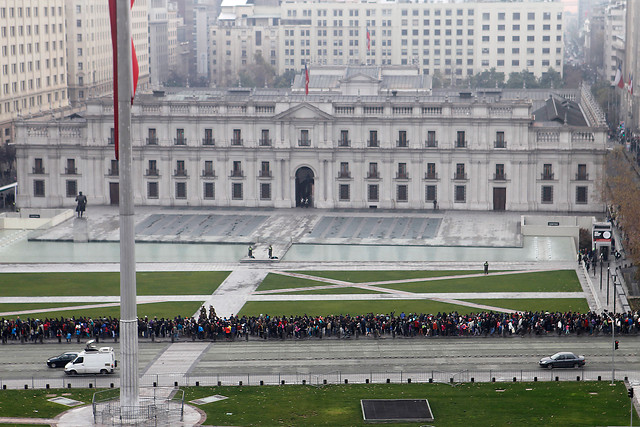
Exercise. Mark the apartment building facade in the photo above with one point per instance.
(33, 59)
(452, 39)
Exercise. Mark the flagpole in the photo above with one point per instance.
(129, 382)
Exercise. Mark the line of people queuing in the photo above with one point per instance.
(208, 326)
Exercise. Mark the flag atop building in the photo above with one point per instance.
(368, 40)
(135, 70)
(619, 80)
(306, 80)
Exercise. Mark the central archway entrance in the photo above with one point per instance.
(304, 187)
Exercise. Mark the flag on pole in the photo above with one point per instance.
(631, 83)
(306, 80)
(368, 40)
(135, 69)
(619, 80)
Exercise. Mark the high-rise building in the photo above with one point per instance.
(614, 33)
(453, 39)
(33, 59)
(89, 47)
(630, 102)
(158, 42)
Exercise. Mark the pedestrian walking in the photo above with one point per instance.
(486, 267)
(270, 252)
(251, 252)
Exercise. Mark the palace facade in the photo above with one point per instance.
(363, 137)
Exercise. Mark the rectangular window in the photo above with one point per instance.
(547, 194)
(152, 138)
(180, 168)
(402, 193)
(402, 138)
(344, 192)
(460, 173)
(373, 139)
(581, 195)
(181, 190)
(38, 188)
(208, 137)
(402, 171)
(431, 171)
(431, 139)
(265, 191)
(71, 167)
(344, 170)
(582, 174)
(500, 141)
(344, 139)
(236, 191)
(265, 171)
(237, 169)
(461, 141)
(153, 168)
(460, 193)
(499, 175)
(265, 141)
(430, 193)
(547, 172)
(209, 190)
(237, 137)
(114, 170)
(373, 171)
(372, 193)
(72, 188)
(152, 190)
(304, 140)
(208, 169)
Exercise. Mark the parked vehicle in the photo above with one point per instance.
(563, 359)
(61, 360)
(92, 360)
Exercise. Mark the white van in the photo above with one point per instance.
(92, 360)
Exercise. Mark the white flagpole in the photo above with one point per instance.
(129, 382)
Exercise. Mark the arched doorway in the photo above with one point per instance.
(304, 187)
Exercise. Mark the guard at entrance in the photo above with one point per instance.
(270, 252)
(251, 252)
(486, 267)
(82, 204)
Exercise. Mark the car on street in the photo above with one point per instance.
(61, 360)
(563, 359)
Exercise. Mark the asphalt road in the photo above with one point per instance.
(351, 356)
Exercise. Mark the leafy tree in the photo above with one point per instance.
(7, 164)
(551, 78)
(436, 80)
(487, 79)
(518, 80)
(175, 80)
(284, 80)
(621, 190)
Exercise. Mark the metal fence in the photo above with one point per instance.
(333, 377)
(165, 408)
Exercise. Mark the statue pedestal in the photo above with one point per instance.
(80, 230)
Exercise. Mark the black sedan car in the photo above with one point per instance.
(563, 359)
(61, 360)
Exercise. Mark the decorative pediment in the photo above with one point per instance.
(360, 78)
(303, 111)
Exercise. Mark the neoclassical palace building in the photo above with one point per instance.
(363, 137)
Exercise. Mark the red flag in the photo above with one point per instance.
(368, 40)
(306, 80)
(135, 69)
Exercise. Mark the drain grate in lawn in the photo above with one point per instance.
(396, 410)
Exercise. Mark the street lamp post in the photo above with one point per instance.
(613, 345)
(601, 262)
(607, 286)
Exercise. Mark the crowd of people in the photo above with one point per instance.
(208, 326)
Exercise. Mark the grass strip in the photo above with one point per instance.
(324, 308)
(561, 305)
(168, 310)
(34, 404)
(275, 281)
(108, 283)
(384, 275)
(332, 291)
(520, 404)
(542, 281)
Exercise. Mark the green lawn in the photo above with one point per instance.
(278, 281)
(24, 403)
(562, 305)
(324, 308)
(384, 275)
(545, 281)
(332, 291)
(93, 284)
(168, 310)
(520, 404)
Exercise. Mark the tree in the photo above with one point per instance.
(175, 80)
(284, 80)
(7, 164)
(621, 191)
(487, 79)
(518, 80)
(436, 80)
(551, 78)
